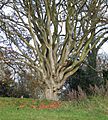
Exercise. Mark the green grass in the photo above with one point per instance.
(93, 109)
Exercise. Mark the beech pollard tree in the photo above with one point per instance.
(53, 37)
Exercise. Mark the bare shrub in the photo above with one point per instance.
(76, 94)
(99, 91)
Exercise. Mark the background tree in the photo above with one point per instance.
(6, 81)
(28, 83)
(62, 33)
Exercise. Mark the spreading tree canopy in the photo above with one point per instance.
(53, 37)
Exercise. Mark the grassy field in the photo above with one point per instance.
(28, 109)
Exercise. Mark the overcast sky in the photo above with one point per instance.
(104, 48)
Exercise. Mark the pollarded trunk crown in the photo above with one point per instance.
(50, 94)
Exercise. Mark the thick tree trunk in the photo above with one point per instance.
(50, 94)
(53, 84)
